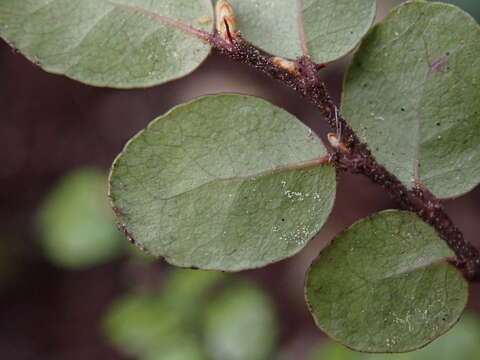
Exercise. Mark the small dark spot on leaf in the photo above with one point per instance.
(283, 219)
(403, 109)
(447, 53)
(438, 124)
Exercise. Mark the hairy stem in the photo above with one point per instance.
(353, 155)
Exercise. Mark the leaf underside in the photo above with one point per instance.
(331, 27)
(412, 92)
(220, 183)
(461, 343)
(385, 285)
(98, 43)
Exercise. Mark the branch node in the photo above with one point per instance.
(286, 65)
(226, 22)
(337, 143)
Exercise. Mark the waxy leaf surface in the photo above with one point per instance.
(99, 43)
(386, 285)
(328, 28)
(460, 343)
(412, 94)
(226, 182)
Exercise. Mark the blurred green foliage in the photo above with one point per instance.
(76, 223)
(196, 315)
(240, 325)
(460, 343)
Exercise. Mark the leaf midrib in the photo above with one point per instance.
(277, 170)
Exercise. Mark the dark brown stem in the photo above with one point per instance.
(353, 156)
(349, 154)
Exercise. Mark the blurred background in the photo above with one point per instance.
(71, 287)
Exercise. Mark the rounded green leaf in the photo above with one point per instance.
(76, 225)
(205, 322)
(470, 6)
(140, 324)
(99, 43)
(412, 92)
(226, 182)
(240, 325)
(461, 343)
(385, 285)
(329, 29)
(163, 325)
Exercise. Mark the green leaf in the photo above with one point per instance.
(461, 343)
(470, 6)
(76, 225)
(240, 325)
(139, 324)
(163, 325)
(179, 323)
(186, 290)
(331, 27)
(226, 182)
(412, 92)
(386, 285)
(101, 44)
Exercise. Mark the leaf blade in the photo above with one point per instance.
(385, 285)
(406, 96)
(286, 28)
(227, 185)
(103, 45)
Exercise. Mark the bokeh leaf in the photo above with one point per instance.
(226, 182)
(461, 343)
(100, 44)
(206, 323)
(412, 93)
(185, 290)
(332, 27)
(163, 325)
(77, 228)
(240, 325)
(385, 285)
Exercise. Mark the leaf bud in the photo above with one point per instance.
(336, 142)
(226, 20)
(285, 64)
